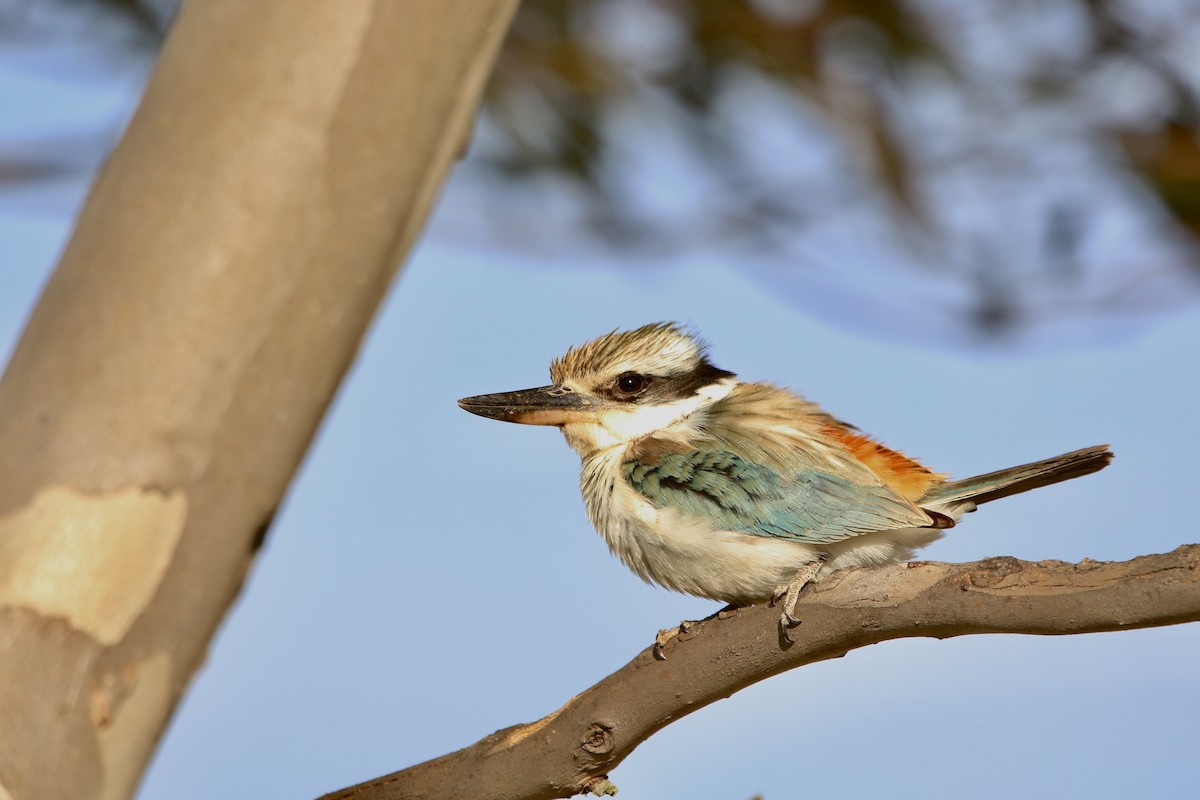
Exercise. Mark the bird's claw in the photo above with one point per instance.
(660, 641)
(789, 593)
(667, 634)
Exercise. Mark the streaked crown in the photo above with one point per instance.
(662, 354)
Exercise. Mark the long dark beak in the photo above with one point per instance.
(545, 405)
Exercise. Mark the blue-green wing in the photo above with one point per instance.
(735, 494)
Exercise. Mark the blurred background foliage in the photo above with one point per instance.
(1003, 161)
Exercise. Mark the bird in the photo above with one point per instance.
(736, 491)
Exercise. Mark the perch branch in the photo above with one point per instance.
(572, 750)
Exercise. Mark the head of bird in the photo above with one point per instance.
(617, 389)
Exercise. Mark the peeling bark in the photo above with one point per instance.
(572, 750)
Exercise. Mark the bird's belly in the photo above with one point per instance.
(720, 565)
(738, 568)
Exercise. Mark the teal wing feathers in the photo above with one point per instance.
(736, 494)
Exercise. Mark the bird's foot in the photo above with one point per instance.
(789, 593)
(667, 634)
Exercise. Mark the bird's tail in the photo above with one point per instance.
(965, 494)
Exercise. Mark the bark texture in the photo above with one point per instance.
(222, 273)
(572, 750)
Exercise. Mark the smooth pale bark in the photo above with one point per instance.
(220, 278)
(573, 749)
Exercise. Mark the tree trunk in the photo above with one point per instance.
(222, 273)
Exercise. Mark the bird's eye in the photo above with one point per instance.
(630, 383)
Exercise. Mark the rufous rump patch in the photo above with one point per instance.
(905, 475)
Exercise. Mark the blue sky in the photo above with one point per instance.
(432, 576)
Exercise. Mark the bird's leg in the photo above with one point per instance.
(790, 592)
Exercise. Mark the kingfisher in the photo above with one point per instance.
(741, 492)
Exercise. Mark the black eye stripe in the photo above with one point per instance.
(679, 387)
(659, 388)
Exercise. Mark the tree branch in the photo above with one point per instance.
(571, 750)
